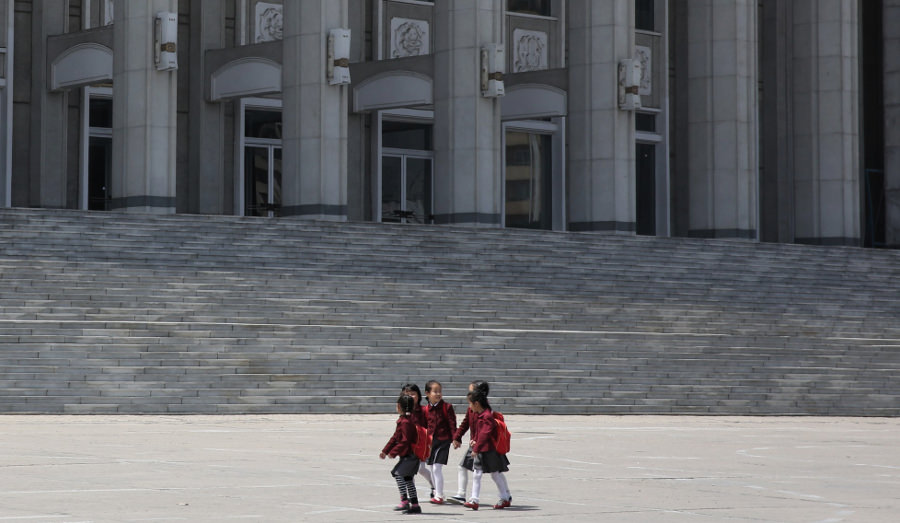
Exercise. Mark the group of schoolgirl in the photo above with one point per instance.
(436, 421)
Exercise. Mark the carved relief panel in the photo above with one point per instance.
(107, 12)
(534, 42)
(645, 56)
(267, 21)
(647, 49)
(409, 37)
(530, 50)
(406, 29)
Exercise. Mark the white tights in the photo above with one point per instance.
(437, 476)
(499, 480)
(463, 481)
(426, 473)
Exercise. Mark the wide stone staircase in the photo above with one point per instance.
(120, 313)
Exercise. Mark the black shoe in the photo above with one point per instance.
(413, 509)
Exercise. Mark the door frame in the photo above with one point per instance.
(555, 128)
(242, 142)
(88, 132)
(404, 154)
(395, 115)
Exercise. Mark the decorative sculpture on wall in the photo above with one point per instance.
(529, 51)
(269, 22)
(645, 56)
(409, 37)
(108, 12)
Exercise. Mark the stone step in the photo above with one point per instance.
(182, 314)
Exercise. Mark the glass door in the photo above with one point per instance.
(529, 180)
(262, 173)
(261, 157)
(645, 188)
(99, 167)
(97, 149)
(406, 188)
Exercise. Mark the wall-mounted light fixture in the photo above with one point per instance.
(493, 65)
(629, 85)
(337, 67)
(166, 41)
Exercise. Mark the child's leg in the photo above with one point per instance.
(476, 484)
(462, 477)
(401, 485)
(411, 493)
(437, 474)
(462, 480)
(423, 470)
(502, 485)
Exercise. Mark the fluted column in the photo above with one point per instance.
(144, 113)
(6, 12)
(891, 30)
(315, 114)
(601, 162)
(207, 187)
(467, 133)
(722, 118)
(826, 122)
(48, 112)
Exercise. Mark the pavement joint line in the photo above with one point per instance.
(424, 328)
(399, 328)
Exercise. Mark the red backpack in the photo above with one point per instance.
(502, 436)
(422, 447)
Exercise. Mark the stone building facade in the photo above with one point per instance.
(769, 120)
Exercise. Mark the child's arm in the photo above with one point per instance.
(451, 414)
(461, 431)
(481, 442)
(391, 444)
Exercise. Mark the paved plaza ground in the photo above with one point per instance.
(63, 469)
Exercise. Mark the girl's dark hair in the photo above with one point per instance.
(476, 396)
(407, 403)
(414, 388)
(432, 383)
(482, 387)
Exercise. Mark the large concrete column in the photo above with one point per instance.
(144, 113)
(6, 41)
(315, 114)
(826, 122)
(776, 208)
(722, 118)
(48, 112)
(891, 30)
(467, 132)
(601, 163)
(207, 187)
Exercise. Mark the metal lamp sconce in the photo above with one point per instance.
(629, 85)
(337, 65)
(165, 41)
(493, 64)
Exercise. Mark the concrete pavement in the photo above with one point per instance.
(64, 469)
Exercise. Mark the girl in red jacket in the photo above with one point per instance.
(441, 426)
(484, 454)
(401, 445)
(418, 416)
(468, 422)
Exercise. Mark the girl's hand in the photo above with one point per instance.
(382, 455)
(457, 444)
